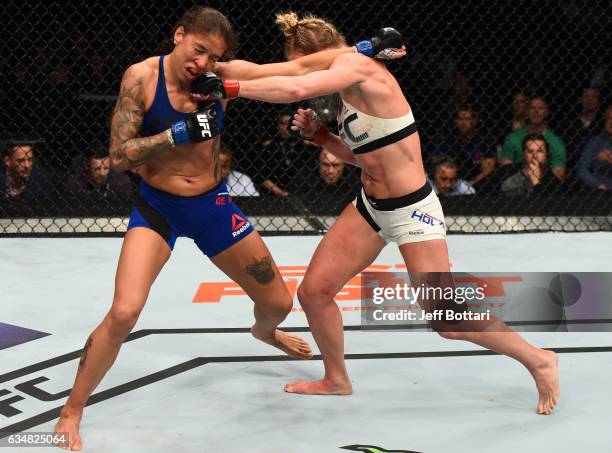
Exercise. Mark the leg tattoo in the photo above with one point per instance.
(261, 270)
(84, 354)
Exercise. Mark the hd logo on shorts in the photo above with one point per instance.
(426, 218)
(239, 225)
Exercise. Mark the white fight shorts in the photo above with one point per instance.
(414, 217)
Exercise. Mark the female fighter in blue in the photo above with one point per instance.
(159, 128)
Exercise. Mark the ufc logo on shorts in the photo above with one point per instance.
(204, 125)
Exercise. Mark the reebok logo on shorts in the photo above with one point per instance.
(426, 218)
(239, 225)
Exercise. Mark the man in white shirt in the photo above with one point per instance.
(238, 184)
(445, 181)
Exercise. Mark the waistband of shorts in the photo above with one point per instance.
(146, 188)
(391, 204)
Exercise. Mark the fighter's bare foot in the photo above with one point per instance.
(320, 387)
(69, 424)
(292, 345)
(546, 377)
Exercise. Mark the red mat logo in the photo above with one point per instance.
(213, 292)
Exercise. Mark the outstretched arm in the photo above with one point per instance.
(346, 71)
(286, 90)
(246, 70)
(387, 44)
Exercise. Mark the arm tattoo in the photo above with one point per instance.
(84, 353)
(126, 148)
(261, 270)
(146, 148)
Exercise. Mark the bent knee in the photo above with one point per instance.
(274, 306)
(311, 294)
(121, 320)
(283, 306)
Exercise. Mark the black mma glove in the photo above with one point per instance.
(210, 84)
(382, 45)
(197, 127)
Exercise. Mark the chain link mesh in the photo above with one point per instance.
(470, 62)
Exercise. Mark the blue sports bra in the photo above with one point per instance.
(162, 115)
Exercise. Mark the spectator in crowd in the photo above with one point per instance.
(330, 186)
(446, 182)
(335, 176)
(331, 169)
(508, 122)
(533, 176)
(21, 174)
(468, 147)
(238, 184)
(282, 163)
(512, 151)
(459, 93)
(96, 177)
(520, 102)
(594, 169)
(583, 124)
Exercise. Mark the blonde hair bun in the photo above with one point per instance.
(288, 22)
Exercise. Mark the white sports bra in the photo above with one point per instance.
(364, 133)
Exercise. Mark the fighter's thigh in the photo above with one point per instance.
(428, 266)
(143, 255)
(250, 264)
(348, 247)
(426, 256)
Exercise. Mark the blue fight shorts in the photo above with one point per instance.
(211, 219)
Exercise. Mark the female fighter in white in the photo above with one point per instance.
(378, 133)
